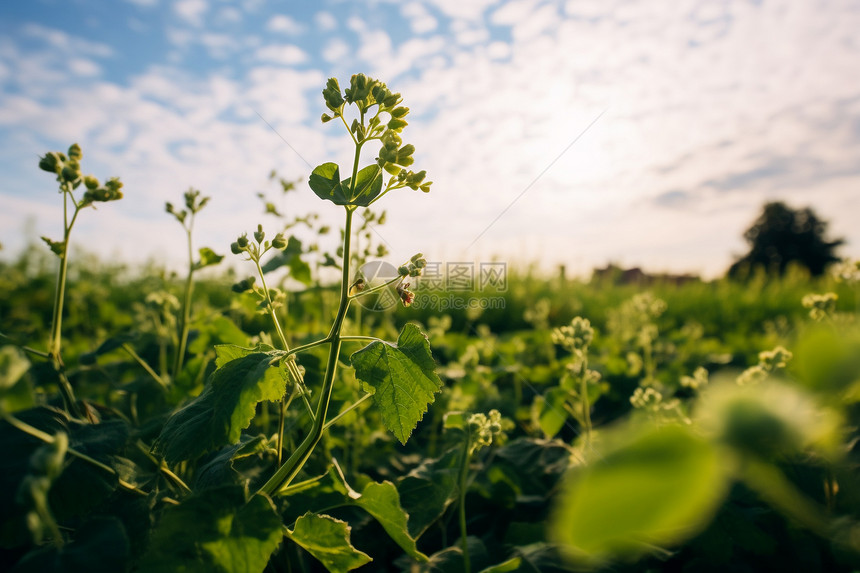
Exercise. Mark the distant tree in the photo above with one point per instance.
(782, 235)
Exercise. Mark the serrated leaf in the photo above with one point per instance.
(403, 378)
(325, 182)
(657, 487)
(368, 185)
(327, 539)
(215, 531)
(225, 407)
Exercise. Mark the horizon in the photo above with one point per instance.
(644, 134)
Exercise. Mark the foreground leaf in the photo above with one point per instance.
(327, 539)
(382, 501)
(657, 488)
(215, 531)
(402, 377)
(325, 182)
(224, 408)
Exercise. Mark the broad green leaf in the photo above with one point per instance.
(382, 501)
(225, 353)
(225, 407)
(368, 185)
(403, 378)
(327, 539)
(660, 486)
(428, 490)
(215, 531)
(325, 182)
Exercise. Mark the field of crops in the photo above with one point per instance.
(415, 421)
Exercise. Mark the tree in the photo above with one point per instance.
(782, 235)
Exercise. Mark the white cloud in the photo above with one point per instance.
(83, 67)
(228, 15)
(336, 50)
(284, 24)
(325, 21)
(420, 20)
(458, 9)
(191, 11)
(286, 54)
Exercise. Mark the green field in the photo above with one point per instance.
(281, 420)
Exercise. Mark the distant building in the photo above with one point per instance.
(636, 276)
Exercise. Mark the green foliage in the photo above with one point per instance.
(657, 488)
(215, 530)
(327, 539)
(227, 404)
(402, 377)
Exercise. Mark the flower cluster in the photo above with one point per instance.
(413, 268)
(769, 362)
(821, 306)
(67, 168)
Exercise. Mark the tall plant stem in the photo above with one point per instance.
(288, 471)
(56, 340)
(464, 472)
(586, 407)
(185, 320)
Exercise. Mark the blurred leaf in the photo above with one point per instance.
(215, 531)
(15, 390)
(827, 359)
(660, 486)
(226, 406)
(403, 379)
(109, 345)
(208, 258)
(327, 539)
(550, 411)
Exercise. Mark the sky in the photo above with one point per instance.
(577, 132)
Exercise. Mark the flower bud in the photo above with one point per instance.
(403, 271)
(75, 153)
(242, 241)
(399, 112)
(235, 248)
(397, 124)
(259, 234)
(417, 256)
(70, 172)
(279, 242)
(91, 182)
(51, 163)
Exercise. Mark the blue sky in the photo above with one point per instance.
(642, 132)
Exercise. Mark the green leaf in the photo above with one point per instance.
(221, 469)
(225, 407)
(15, 390)
(291, 257)
(550, 411)
(325, 182)
(368, 185)
(208, 257)
(215, 531)
(382, 501)
(658, 487)
(512, 564)
(403, 379)
(428, 490)
(327, 539)
(107, 346)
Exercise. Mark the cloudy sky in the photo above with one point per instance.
(644, 132)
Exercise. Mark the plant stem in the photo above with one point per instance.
(55, 342)
(583, 391)
(128, 348)
(288, 471)
(464, 471)
(352, 407)
(185, 320)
